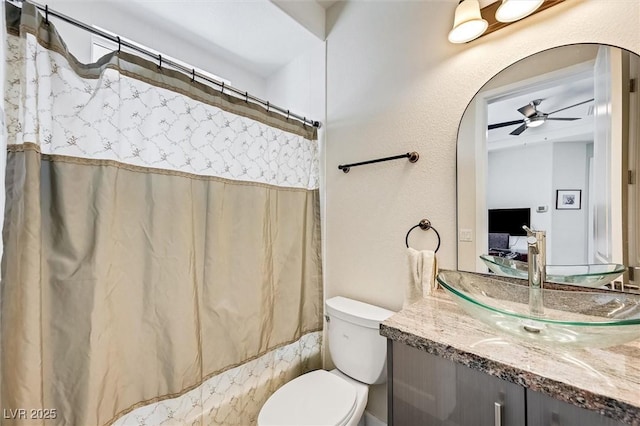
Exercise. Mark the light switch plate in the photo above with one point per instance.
(466, 235)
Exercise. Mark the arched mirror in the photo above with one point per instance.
(552, 142)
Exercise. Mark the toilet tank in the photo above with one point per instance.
(356, 346)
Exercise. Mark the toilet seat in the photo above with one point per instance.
(315, 398)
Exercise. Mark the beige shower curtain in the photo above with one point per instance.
(157, 233)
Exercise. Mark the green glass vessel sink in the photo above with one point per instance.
(589, 318)
(595, 275)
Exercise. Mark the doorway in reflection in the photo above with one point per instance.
(540, 138)
(555, 135)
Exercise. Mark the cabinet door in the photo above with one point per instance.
(428, 390)
(545, 410)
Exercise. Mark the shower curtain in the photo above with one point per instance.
(158, 235)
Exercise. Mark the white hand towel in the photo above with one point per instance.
(423, 268)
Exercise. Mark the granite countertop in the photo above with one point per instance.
(604, 380)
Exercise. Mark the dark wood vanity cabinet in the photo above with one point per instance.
(428, 390)
(545, 410)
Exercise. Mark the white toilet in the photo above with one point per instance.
(337, 397)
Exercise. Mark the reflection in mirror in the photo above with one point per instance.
(551, 142)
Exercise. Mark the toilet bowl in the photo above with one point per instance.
(337, 397)
(317, 398)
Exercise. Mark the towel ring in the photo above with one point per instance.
(425, 225)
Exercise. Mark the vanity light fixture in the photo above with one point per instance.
(467, 23)
(513, 10)
(471, 22)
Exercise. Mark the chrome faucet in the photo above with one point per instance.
(537, 268)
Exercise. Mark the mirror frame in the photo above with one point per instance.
(461, 156)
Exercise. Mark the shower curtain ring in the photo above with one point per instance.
(268, 106)
(159, 61)
(119, 44)
(246, 97)
(193, 75)
(304, 121)
(46, 14)
(287, 114)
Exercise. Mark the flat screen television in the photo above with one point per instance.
(509, 221)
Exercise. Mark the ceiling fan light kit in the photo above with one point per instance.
(471, 22)
(534, 121)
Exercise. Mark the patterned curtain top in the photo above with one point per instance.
(147, 116)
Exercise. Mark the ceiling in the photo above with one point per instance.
(253, 34)
(556, 91)
(327, 3)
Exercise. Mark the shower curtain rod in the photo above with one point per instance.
(189, 71)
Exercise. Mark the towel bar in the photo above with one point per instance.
(412, 156)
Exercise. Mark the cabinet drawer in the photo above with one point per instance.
(545, 410)
(429, 390)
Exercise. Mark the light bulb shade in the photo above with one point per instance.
(512, 10)
(535, 121)
(467, 23)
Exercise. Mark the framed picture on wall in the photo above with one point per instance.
(568, 199)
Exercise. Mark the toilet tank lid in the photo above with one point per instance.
(357, 312)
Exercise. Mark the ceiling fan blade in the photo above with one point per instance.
(519, 130)
(571, 106)
(527, 110)
(563, 119)
(506, 123)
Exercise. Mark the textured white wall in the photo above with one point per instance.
(570, 227)
(523, 177)
(299, 85)
(395, 84)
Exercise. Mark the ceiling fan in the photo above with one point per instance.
(533, 117)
